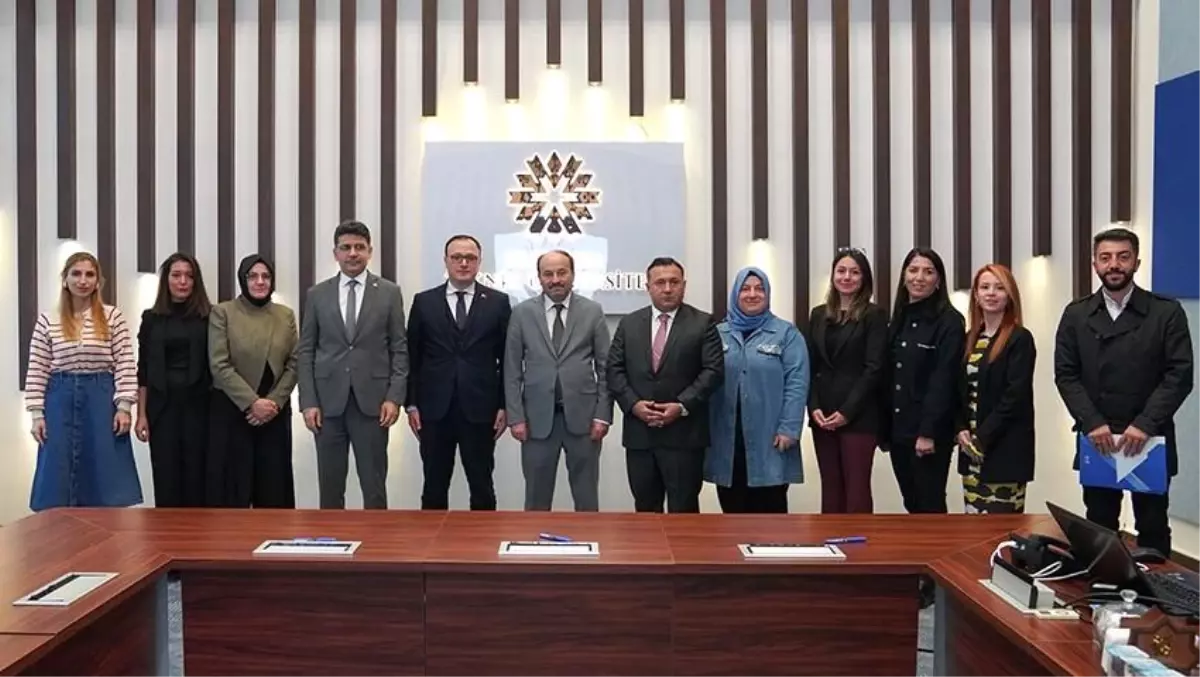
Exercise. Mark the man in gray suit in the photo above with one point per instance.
(352, 368)
(554, 386)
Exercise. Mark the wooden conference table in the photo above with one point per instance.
(427, 593)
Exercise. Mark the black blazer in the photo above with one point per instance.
(846, 377)
(921, 387)
(1135, 371)
(446, 362)
(692, 369)
(152, 356)
(1004, 415)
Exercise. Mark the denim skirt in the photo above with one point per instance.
(83, 463)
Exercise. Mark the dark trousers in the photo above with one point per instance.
(179, 446)
(476, 443)
(1149, 513)
(922, 479)
(248, 465)
(674, 473)
(739, 497)
(845, 461)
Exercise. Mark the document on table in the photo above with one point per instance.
(550, 548)
(790, 551)
(307, 547)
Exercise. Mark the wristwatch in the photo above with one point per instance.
(682, 410)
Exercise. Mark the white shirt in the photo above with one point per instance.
(550, 312)
(655, 313)
(344, 293)
(1113, 306)
(452, 297)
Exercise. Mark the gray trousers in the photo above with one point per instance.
(539, 461)
(370, 440)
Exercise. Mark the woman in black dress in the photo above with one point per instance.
(174, 383)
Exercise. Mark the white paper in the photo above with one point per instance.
(782, 551)
(550, 548)
(1127, 464)
(307, 547)
(80, 584)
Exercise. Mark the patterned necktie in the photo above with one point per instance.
(556, 337)
(351, 308)
(660, 341)
(460, 309)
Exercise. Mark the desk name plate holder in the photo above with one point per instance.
(549, 548)
(308, 547)
(66, 589)
(791, 551)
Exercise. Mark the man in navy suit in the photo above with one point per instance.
(456, 334)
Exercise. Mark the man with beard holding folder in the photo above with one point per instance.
(1123, 366)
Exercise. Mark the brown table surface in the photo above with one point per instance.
(16, 651)
(139, 543)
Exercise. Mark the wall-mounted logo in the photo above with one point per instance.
(554, 197)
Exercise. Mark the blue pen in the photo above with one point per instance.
(325, 539)
(845, 539)
(553, 537)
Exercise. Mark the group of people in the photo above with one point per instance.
(705, 399)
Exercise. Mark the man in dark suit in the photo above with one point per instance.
(1123, 366)
(456, 334)
(352, 363)
(664, 364)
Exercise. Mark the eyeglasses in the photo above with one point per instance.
(464, 258)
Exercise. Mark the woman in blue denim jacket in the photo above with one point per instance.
(756, 415)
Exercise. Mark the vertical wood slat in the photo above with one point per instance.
(226, 167)
(676, 22)
(1002, 178)
(800, 170)
(106, 146)
(637, 58)
(65, 85)
(186, 117)
(841, 125)
(881, 81)
(146, 234)
(266, 137)
(1042, 197)
(960, 30)
(922, 193)
(471, 41)
(306, 212)
(1081, 145)
(512, 50)
(429, 70)
(720, 157)
(387, 139)
(595, 50)
(348, 116)
(554, 33)
(27, 211)
(760, 123)
(1122, 111)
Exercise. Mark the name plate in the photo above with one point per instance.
(550, 548)
(791, 551)
(65, 589)
(308, 547)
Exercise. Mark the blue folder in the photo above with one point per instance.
(1147, 476)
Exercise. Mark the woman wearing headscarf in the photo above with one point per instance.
(756, 415)
(174, 383)
(252, 353)
(80, 387)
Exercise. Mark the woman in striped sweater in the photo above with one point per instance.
(80, 387)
